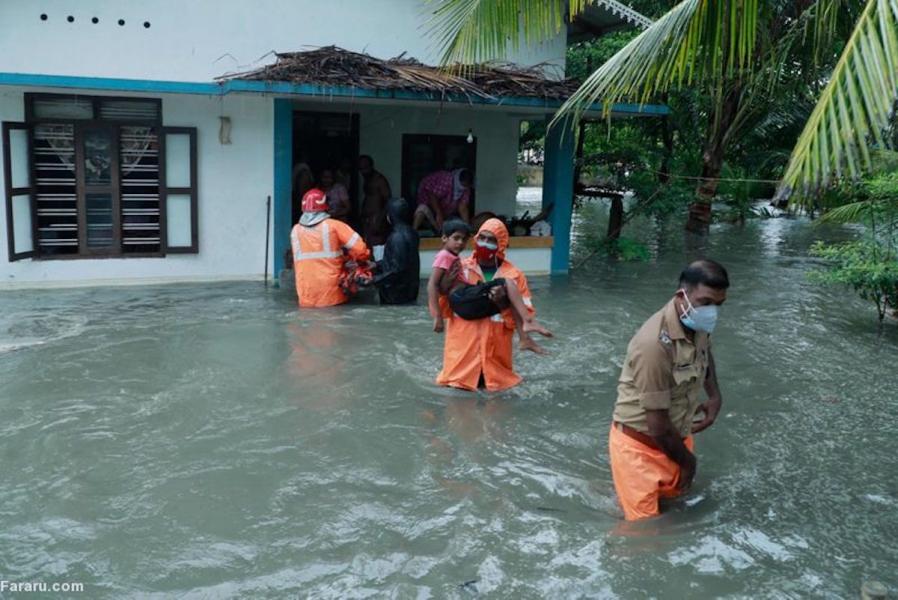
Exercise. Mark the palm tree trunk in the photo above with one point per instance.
(712, 161)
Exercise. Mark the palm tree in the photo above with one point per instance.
(740, 54)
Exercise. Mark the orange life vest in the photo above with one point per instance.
(319, 254)
(484, 346)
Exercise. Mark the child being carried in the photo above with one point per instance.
(473, 301)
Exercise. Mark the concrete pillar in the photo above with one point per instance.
(558, 189)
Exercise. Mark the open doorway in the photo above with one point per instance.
(323, 140)
(423, 154)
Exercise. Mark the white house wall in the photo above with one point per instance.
(198, 40)
(233, 182)
(235, 179)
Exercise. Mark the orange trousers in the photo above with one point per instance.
(642, 475)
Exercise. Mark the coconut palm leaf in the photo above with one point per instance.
(855, 108)
(855, 212)
(697, 40)
(475, 31)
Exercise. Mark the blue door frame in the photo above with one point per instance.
(283, 184)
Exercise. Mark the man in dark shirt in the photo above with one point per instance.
(398, 276)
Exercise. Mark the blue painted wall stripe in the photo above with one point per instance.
(280, 87)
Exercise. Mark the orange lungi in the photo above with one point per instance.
(642, 474)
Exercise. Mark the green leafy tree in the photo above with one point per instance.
(738, 54)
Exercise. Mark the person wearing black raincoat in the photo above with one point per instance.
(397, 276)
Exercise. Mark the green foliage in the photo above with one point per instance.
(742, 60)
(586, 57)
(739, 191)
(628, 250)
(869, 266)
(866, 267)
(533, 134)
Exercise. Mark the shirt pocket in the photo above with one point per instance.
(684, 375)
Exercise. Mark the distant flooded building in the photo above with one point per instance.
(141, 141)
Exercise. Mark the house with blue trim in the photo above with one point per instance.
(134, 151)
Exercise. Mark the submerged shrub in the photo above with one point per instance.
(865, 266)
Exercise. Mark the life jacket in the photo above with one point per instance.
(319, 254)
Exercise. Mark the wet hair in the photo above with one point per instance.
(466, 176)
(705, 272)
(451, 226)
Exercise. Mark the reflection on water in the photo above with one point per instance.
(215, 442)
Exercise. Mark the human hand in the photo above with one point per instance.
(498, 294)
(711, 409)
(687, 474)
(438, 324)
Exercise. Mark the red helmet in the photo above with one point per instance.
(314, 201)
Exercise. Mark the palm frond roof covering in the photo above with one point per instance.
(332, 66)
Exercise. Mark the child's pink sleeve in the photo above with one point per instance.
(444, 259)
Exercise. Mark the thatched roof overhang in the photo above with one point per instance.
(342, 93)
(336, 74)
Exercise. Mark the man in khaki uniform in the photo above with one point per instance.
(668, 363)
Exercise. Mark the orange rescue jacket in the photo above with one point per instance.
(472, 348)
(319, 253)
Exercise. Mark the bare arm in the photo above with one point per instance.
(711, 408)
(669, 441)
(433, 298)
(434, 203)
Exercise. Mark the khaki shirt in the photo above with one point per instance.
(663, 370)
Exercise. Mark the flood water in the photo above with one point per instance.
(211, 441)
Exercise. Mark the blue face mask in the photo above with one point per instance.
(703, 318)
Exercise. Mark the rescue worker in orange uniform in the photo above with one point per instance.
(322, 246)
(668, 362)
(476, 352)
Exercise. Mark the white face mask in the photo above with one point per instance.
(703, 318)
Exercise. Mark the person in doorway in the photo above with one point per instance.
(343, 174)
(324, 249)
(398, 275)
(442, 195)
(668, 362)
(302, 180)
(478, 353)
(475, 301)
(338, 205)
(374, 204)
